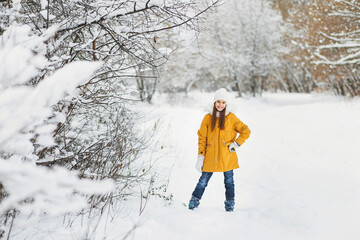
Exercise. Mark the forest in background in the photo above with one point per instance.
(70, 72)
(278, 45)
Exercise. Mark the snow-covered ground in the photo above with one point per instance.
(299, 175)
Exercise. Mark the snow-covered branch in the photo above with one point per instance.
(345, 43)
(26, 186)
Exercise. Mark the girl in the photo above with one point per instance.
(216, 153)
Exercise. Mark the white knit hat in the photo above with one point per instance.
(221, 94)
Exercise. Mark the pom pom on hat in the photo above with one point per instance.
(221, 94)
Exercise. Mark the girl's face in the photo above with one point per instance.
(220, 105)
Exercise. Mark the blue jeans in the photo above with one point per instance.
(228, 181)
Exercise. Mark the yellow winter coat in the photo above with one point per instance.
(215, 144)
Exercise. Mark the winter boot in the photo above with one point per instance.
(194, 202)
(229, 205)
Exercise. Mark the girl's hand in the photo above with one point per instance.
(233, 146)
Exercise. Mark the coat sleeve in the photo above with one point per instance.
(202, 133)
(243, 130)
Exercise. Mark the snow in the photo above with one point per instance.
(23, 106)
(51, 191)
(34, 190)
(298, 176)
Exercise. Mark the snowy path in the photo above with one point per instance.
(298, 177)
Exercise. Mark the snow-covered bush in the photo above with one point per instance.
(27, 188)
(92, 129)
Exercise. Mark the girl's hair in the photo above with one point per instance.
(221, 118)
